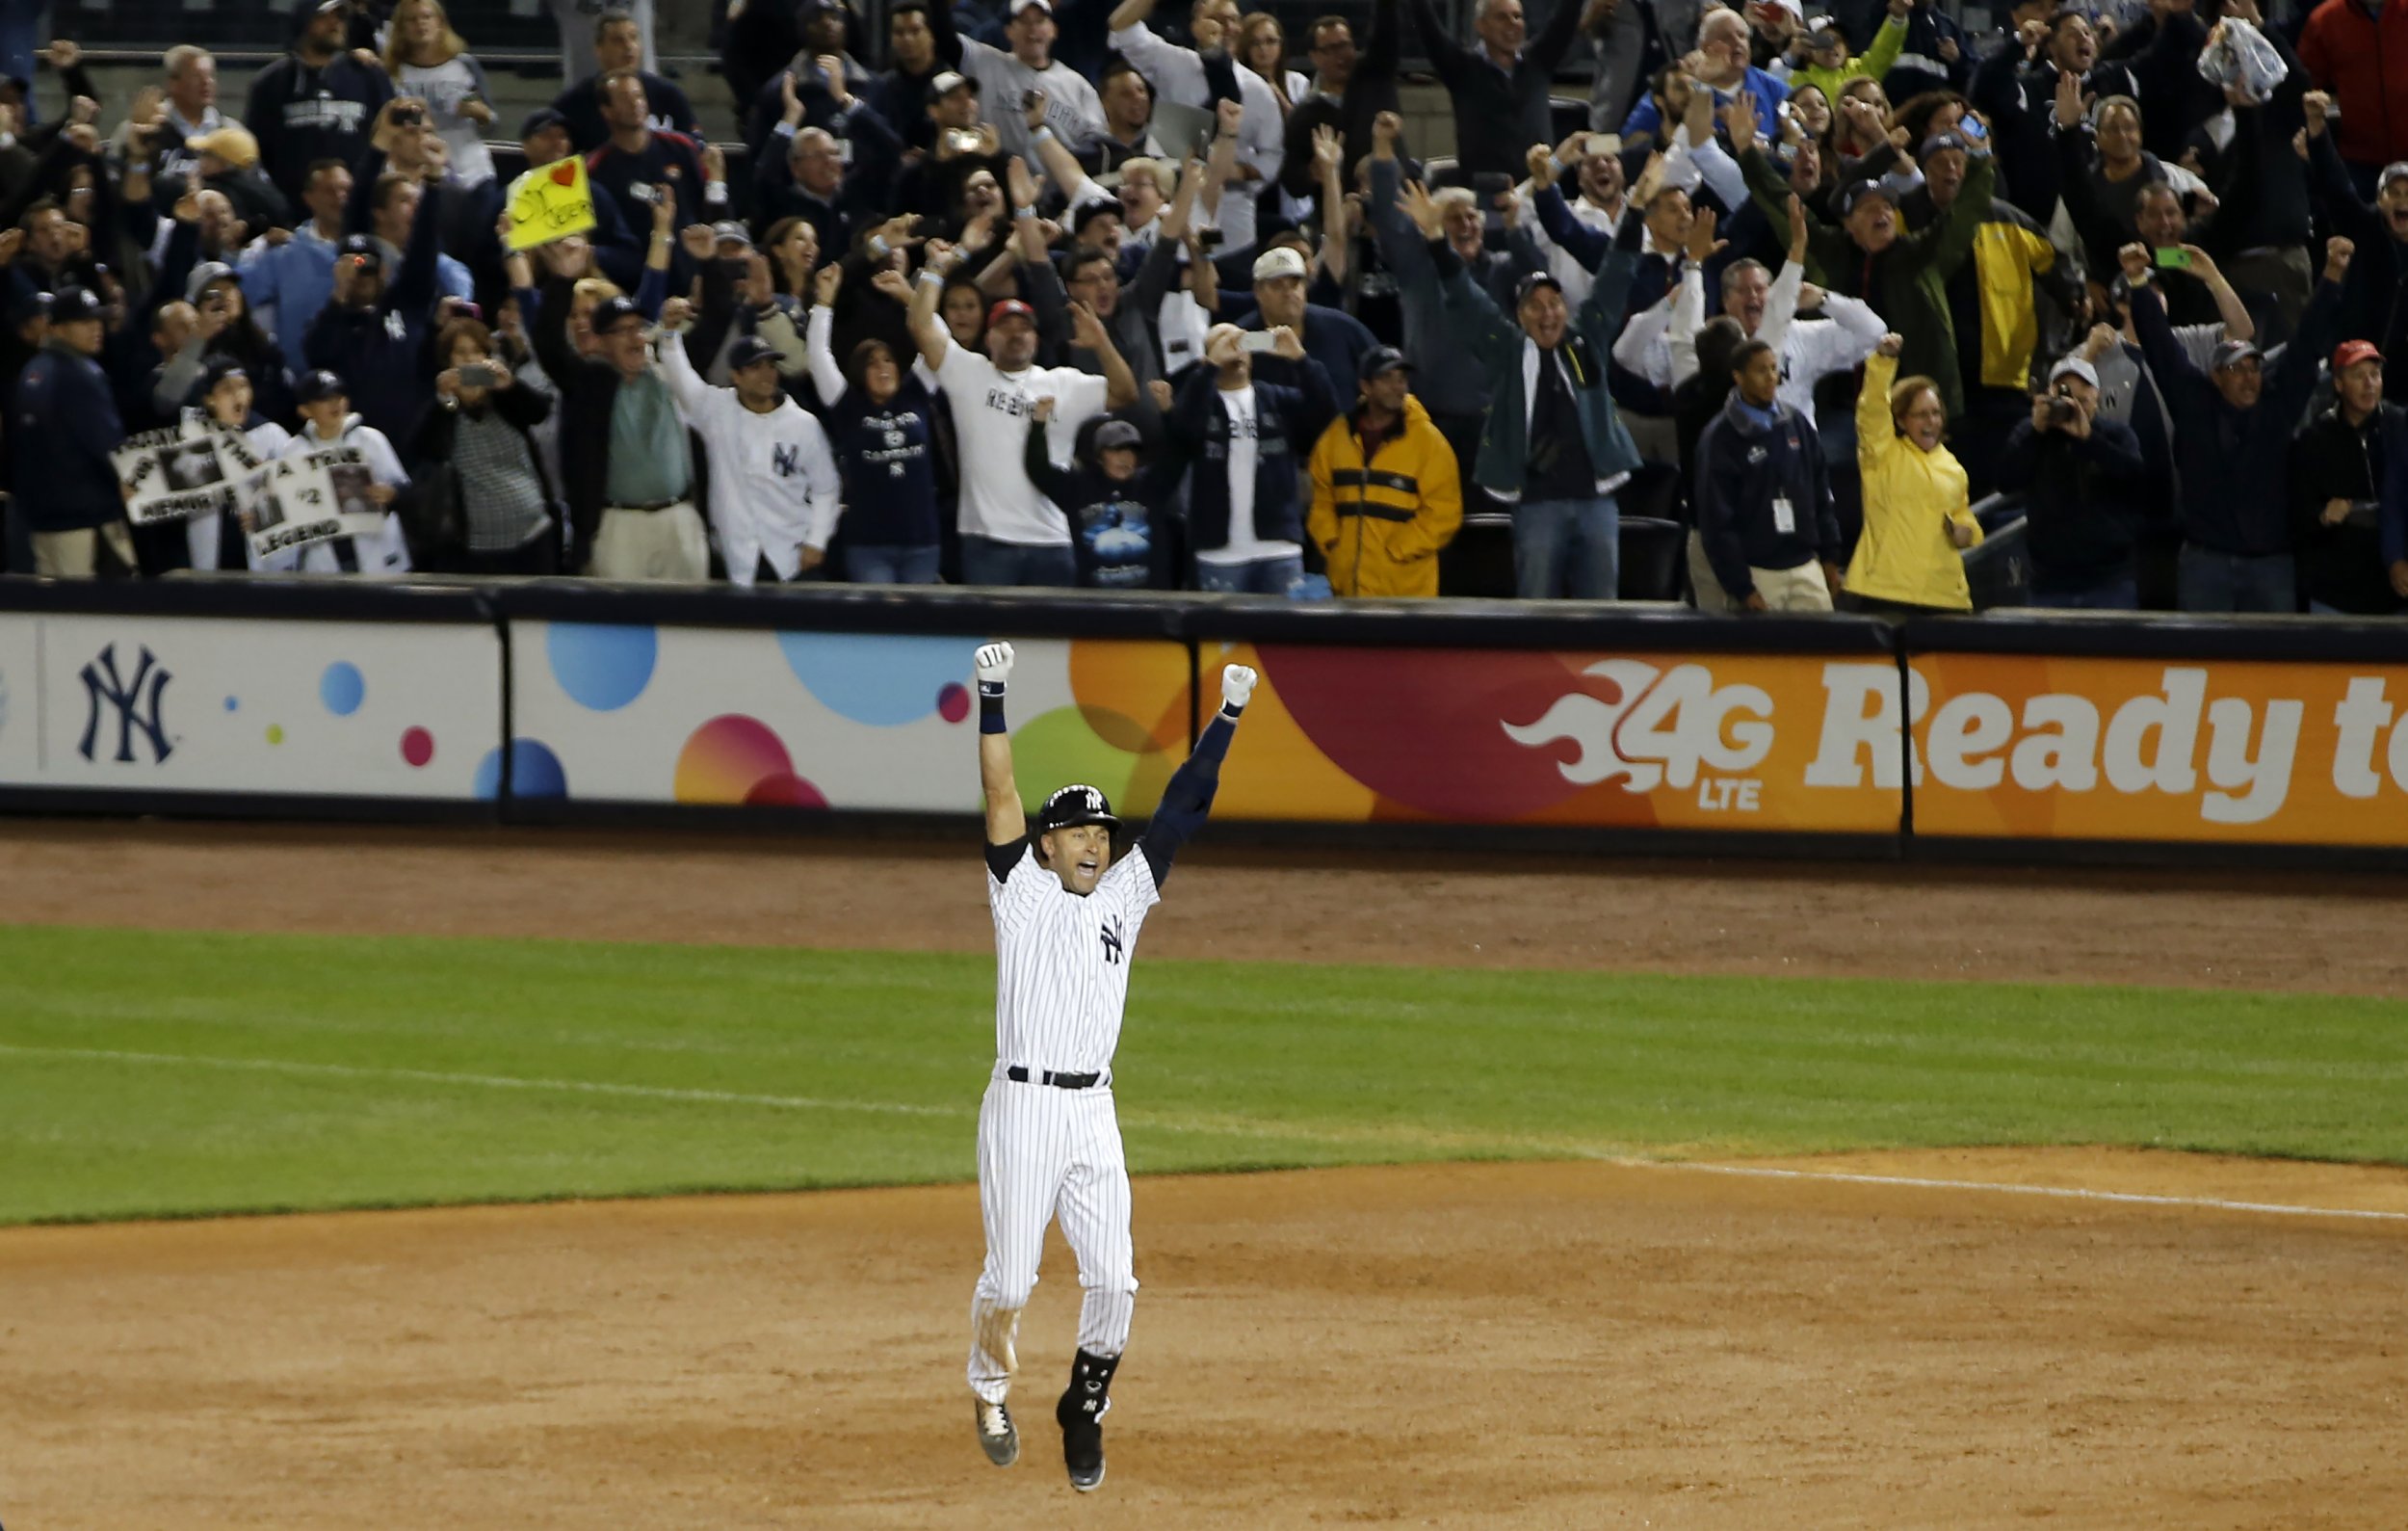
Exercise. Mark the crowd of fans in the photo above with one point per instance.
(1063, 292)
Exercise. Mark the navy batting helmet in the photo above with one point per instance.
(1076, 803)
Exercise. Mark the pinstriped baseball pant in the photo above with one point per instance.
(1045, 1152)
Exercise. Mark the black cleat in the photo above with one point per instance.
(1081, 1416)
(1082, 1420)
(997, 1437)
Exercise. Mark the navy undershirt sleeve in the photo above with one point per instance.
(1001, 859)
(1188, 799)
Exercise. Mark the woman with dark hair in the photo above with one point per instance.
(486, 502)
(881, 422)
(793, 247)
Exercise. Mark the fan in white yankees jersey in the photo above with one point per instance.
(1066, 920)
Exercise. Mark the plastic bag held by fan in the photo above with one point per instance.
(2239, 54)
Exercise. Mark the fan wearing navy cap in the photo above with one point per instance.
(327, 421)
(376, 327)
(316, 102)
(1247, 438)
(630, 482)
(2232, 438)
(224, 398)
(1387, 491)
(775, 493)
(820, 84)
(67, 491)
(1554, 446)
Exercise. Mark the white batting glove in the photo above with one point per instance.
(1236, 684)
(993, 664)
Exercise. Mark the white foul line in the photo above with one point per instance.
(1227, 1127)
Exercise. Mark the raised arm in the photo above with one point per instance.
(1005, 821)
(927, 331)
(1189, 797)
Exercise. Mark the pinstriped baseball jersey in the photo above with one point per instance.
(1063, 961)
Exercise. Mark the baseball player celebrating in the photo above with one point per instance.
(1066, 918)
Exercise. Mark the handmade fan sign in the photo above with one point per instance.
(549, 202)
(183, 470)
(308, 498)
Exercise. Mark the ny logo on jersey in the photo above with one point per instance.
(1112, 940)
(787, 459)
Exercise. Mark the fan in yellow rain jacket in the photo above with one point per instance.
(1381, 523)
(1916, 519)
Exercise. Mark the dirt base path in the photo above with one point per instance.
(1460, 1346)
(2336, 933)
(1529, 1345)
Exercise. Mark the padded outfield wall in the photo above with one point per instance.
(1609, 725)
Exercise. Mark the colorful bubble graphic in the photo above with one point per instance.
(417, 746)
(953, 703)
(602, 666)
(342, 688)
(876, 679)
(535, 772)
(736, 760)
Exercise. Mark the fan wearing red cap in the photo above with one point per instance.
(2353, 557)
(1011, 534)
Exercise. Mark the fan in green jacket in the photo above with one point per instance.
(1870, 254)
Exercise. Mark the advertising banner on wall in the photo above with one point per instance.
(1754, 742)
(872, 721)
(226, 704)
(2080, 749)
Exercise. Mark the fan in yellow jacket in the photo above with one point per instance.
(1916, 518)
(1380, 523)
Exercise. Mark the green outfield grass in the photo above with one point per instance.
(147, 1074)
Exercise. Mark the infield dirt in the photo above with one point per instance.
(1480, 1345)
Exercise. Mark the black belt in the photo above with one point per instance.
(1046, 1076)
(645, 509)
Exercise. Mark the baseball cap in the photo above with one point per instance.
(947, 83)
(71, 303)
(1089, 212)
(207, 271)
(611, 312)
(1006, 308)
(1795, 8)
(1117, 434)
(1826, 34)
(1382, 360)
(1018, 5)
(318, 386)
(541, 117)
(1531, 283)
(32, 306)
(231, 143)
(2396, 171)
(363, 246)
(1074, 803)
(2073, 367)
(1272, 264)
(2349, 352)
(749, 352)
(219, 367)
(1856, 193)
(1941, 140)
(2233, 353)
(732, 228)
